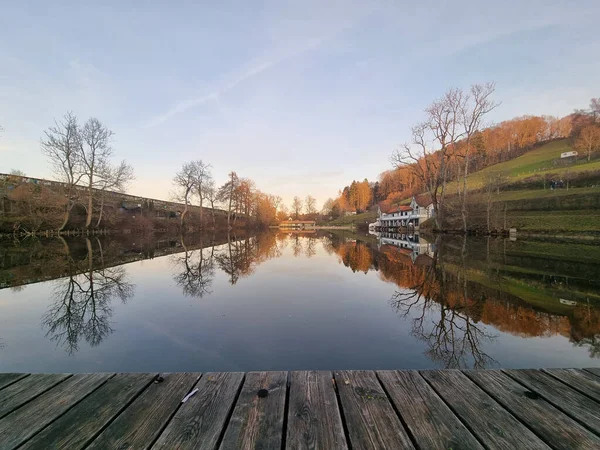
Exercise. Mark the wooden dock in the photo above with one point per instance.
(437, 409)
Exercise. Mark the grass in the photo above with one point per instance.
(538, 161)
(528, 194)
(366, 217)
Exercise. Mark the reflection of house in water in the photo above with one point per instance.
(412, 244)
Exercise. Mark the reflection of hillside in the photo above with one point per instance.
(468, 282)
(38, 260)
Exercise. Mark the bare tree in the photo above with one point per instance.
(328, 206)
(226, 194)
(112, 178)
(17, 173)
(493, 183)
(297, 207)
(477, 104)
(95, 152)
(594, 107)
(211, 195)
(310, 204)
(62, 144)
(203, 181)
(424, 163)
(185, 184)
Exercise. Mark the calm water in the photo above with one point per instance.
(296, 301)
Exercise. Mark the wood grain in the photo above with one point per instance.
(432, 424)
(85, 420)
(556, 428)
(257, 423)
(579, 380)
(593, 370)
(28, 388)
(493, 425)
(6, 379)
(370, 417)
(314, 419)
(199, 422)
(25, 422)
(571, 402)
(140, 424)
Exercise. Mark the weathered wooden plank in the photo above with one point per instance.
(140, 424)
(314, 419)
(22, 424)
(85, 420)
(370, 417)
(593, 370)
(556, 428)
(199, 422)
(257, 422)
(6, 379)
(20, 393)
(432, 424)
(579, 380)
(490, 423)
(577, 405)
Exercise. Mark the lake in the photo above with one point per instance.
(298, 300)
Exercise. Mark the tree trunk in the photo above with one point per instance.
(229, 209)
(101, 209)
(88, 218)
(489, 209)
(212, 208)
(201, 209)
(65, 219)
(68, 207)
(464, 199)
(183, 214)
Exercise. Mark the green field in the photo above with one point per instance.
(538, 161)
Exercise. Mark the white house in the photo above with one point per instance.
(420, 209)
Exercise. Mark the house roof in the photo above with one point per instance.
(395, 209)
(423, 200)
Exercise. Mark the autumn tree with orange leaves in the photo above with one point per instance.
(588, 141)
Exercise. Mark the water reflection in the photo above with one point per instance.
(443, 314)
(194, 270)
(458, 295)
(451, 288)
(81, 301)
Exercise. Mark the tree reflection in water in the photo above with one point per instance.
(195, 270)
(453, 296)
(82, 301)
(441, 313)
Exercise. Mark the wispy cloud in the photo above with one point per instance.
(211, 96)
(256, 68)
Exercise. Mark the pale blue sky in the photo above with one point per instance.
(301, 96)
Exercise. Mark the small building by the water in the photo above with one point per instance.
(297, 224)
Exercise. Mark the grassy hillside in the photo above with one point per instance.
(539, 161)
(531, 207)
(363, 218)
